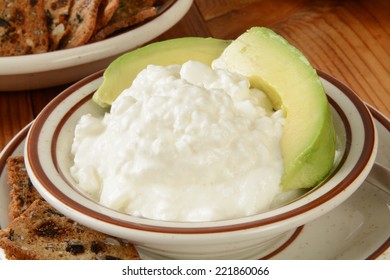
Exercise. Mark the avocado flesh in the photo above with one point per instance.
(292, 84)
(122, 71)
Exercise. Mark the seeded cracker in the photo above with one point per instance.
(23, 27)
(106, 11)
(22, 193)
(129, 13)
(42, 233)
(57, 14)
(82, 21)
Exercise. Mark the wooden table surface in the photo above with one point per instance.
(348, 39)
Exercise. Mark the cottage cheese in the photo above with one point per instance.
(183, 143)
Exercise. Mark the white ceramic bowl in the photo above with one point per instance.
(48, 159)
(35, 71)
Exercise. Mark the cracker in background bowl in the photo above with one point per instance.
(106, 11)
(128, 13)
(23, 28)
(81, 23)
(57, 13)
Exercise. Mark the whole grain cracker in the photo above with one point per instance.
(23, 28)
(106, 11)
(57, 14)
(129, 13)
(82, 22)
(22, 192)
(38, 231)
(43, 233)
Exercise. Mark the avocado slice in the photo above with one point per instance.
(120, 74)
(286, 76)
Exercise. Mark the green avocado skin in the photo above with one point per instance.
(122, 71)
(273, 65)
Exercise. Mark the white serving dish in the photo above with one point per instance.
(44, 70)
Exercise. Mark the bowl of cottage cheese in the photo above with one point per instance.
(186, 163)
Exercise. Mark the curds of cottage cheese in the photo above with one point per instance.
(183, 143)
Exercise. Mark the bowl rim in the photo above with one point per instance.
(36, 170)
(59, 59)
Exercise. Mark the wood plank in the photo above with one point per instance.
(339, 41)
(191, 24)
(15, 113)
(216, 8)
(347, 39)
(228, 19)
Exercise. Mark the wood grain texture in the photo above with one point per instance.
(191, 25)
(228, 19)
(347, 39)
(15, 113)
(17, 109)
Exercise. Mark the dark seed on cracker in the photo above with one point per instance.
(4, 23)
(48, 229)
(75, 248)
(96, 247)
